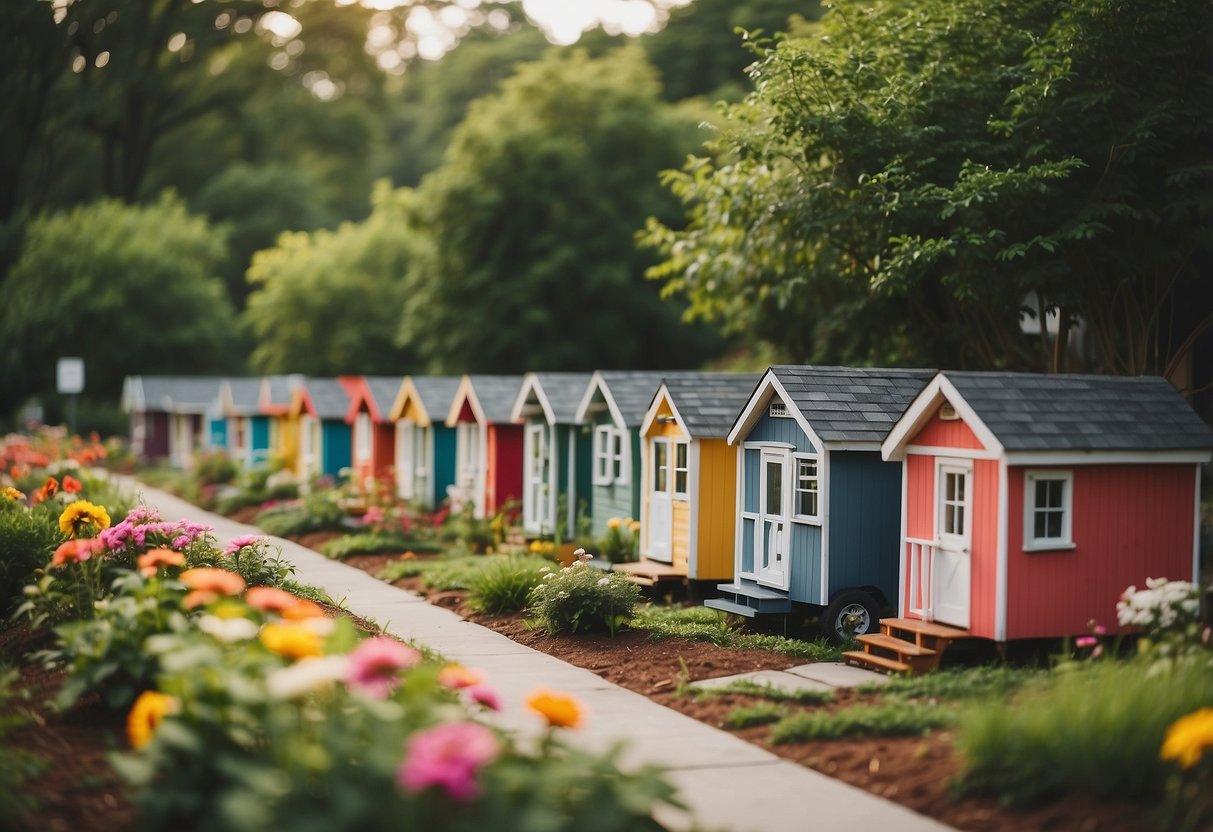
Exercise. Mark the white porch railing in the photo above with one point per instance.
(920, 567)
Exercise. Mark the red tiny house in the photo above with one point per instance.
(373, 440)
(1031, 502)
(488, 445)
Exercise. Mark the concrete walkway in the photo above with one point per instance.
(728, 783)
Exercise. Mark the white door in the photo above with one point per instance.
(536, 518)
(467, 461)
(423, 453)
(953, 558)
(404, 459)
(774, 510)
(661, 505)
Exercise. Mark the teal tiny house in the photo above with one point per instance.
(425, 446)
(819, 511)
(320, 406)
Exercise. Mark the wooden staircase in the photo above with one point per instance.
(904, 645)
(648, 572)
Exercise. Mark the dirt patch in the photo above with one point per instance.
(314, 540)
(245, 514)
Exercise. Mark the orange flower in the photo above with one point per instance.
(71, 485)
(76, 551)
(146, 715)
(198, 598)
(294, 641)
(269, 599)
(560, 710)
(302, 610)
(457, 676)
(47, 491)
(210, 579)
(151, 561)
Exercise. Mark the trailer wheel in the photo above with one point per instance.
(853, 612)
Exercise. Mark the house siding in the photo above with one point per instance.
(383, 449)
(747, 545)
(865, 519)
(952, 433)
(680, 538)
(805, 566)
(781, 429)
(444, 462)
(749, 500)
(717, 511)
(335, 447)
(983, 573)
(503, 479)
(583, 473)
(1130, 522)
(259, 436)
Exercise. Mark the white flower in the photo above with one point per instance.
(578, 552)
(604, 581)
(305, 676)
(319, 626)
(227, 630)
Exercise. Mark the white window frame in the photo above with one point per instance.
(610, 456)
(1032, 543)
(777, 409)
(796, 490)
(362, 438)
(675, 469)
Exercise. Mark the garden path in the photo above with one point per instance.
(727, 783)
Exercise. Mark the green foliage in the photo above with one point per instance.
(703, 624)
(545, 182)
(451, 571)
(466, 529)
(1094, 728)
(318, 512)
(902, 177)
(373, 543)
(133, 288)
(620, 541)
(17, 765)
(891, 720)
(504, 583)
(307, 592)
(749, 716)
(956, 683)
(744, 687)
(328, 301)
(27, 540)
(215, 468)
(580, 598)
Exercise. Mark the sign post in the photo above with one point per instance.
(69, 380)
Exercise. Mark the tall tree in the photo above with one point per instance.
(528, 259)
(903, 182)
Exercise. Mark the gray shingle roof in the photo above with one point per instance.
(436, 394)
(180, 394)
(633, 391)
(246, 395)
(280, 388)
(329, 398)
(851, 404)
(709, 403)
(563, 392)
(496, 395)
(383, 390)
(1062, 412)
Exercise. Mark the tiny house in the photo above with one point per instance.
(274, 402)
(488, 445)
(613, 408)
(689, 478)
(425, 446)
(320, 406)
(555, 452)
(248, 431)
(373, 444)
(817, 508)
(1031, 502)
(170, 416)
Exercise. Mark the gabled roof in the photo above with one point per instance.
(432, 394)
(275, 396)
(557, 393)
(490, 397)
(852, 407)
(1023, 413)
(171, 394)
(377, 393)
(240, 396)
(325, 398)
(627, 394)
(705, 404)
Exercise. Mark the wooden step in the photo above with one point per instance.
(874, 661)
(893, 644)
(640, 580)
(729, 606)
(752, 590)
(927, 628)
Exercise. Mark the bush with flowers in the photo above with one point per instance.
(579, 598)
(621, 541)
(1166, 613)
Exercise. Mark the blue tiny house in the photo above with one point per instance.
(425, 446)
(325, 440)
(818, 519)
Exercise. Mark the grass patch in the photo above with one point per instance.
(316, 513)
(503, 584)
(451, 571)
(311, 593)
(1094, 728)
(956, 683)
(704, 624)
(373, 543)
(744, 687)
(890, 720)
(748, 716)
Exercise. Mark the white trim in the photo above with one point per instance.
(481, 496)
(921, 411)
(778, 410)
(807, 519)
(531, 384)
(1196, 532)
(598, 383)
(1071, 457)
(693, 509)
(756, 408)
(739, 497)
(785, 446)
(650, 415)
(901, 557)
(1031, 543)
(823, 506)
(603, 469)
(675, 494)
(781, 579)
(961, 453)
(1001, 554)
(466, 392)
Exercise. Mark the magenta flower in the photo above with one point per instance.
(447, 756)
(486, 696)
(1086, 641)
(376, 663)
(1100, 630)
(239, 543)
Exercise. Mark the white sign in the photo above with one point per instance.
(69, 375)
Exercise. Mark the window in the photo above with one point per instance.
(954, 502)
(681, 468)
(362, 438)
(610, 465)
(661, 464)
(806, 487)
(778, 410)
(1047, 510)
(619, 466)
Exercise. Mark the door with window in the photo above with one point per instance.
(536, 511)
(661, 504)
(467, 460)
(952, 564)
(774, 512)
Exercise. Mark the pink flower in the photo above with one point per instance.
(376, 663)
(1086, 641)
(181, 542)
(447, 756)
(239, 543)
(486, 696)
(1100, 630)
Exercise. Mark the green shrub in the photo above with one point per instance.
(580, 598)
(27, 540)
(504, 583)
(958, 683)
(373, 543)
(704, 624)
(215, 468)
(315, 513)
(750, 715)
(892, 720)
(16, 764)
(1094, 728)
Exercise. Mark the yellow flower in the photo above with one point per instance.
(80, 516)
(292, 640)
(1188, 738)
(614, 523)
(145, 716)
(11, 493)
(560, 710)
(633, 526)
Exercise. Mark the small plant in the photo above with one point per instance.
(618, 544)
(703, 624)
(318, 512)
(744, 687)
(748, 716)
(372, 543)
(215, 468)
(1166, 612)
(16, 765)
(580, 598)
(954, 684)
(253, 559)
(503, 585)
(892, 720)
(26, 543)
(466, 528)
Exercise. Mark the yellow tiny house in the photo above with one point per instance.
(689, 478)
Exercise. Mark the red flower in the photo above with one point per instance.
(71, 485)
(76, 551)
